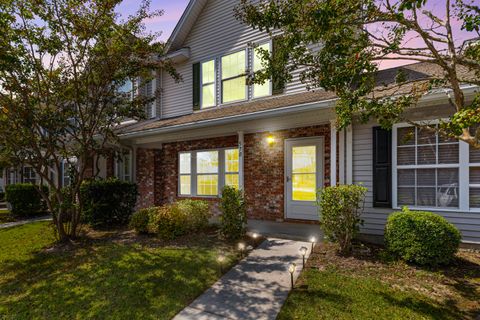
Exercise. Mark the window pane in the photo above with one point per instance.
(425, 197)
(232, 180)
(426, 155)
(474, 155)
(185, 162)
(474, 197)
(447, 177)
(185, 184)
(448, 153)
(208, 72)
(406, 196)
(406, 155)
(406, 136)
(207, 185)
(257, 59)
(261, 90)
(126, 87)
(233, 64)
(233, 90)
(425, 136)
(207, 162)
(406, 178)
(426, 177)
(304, 159)
(208, 96)
(304, 187)
(231, 160)
(475, 175)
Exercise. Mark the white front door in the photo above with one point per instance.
(303, 177)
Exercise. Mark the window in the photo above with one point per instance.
(260, 90)
(123, 168)
(232, 168)
(427, 170)
(233, 77)
(208, 84)
(127, 88)
(149, 92)
(66, 171)
(29, 175)
(204, 173)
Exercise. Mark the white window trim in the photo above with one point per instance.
(121, 174)
(202, 107)
(193, 172)
(234, 77)
(252, 67)
(463, 175)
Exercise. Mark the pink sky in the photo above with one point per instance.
(173, 10)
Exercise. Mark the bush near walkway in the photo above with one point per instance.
(233, 221)
(24, 199)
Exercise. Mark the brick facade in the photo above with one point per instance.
(157, 170)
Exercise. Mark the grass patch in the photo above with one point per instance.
(372, 286)
(5, 216)
(112, 275)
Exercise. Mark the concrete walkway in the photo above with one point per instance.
(21, 222)
(256, 288)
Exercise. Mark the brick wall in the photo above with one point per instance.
(157, 170)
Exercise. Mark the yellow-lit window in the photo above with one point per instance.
(185, 173)
(304, 173)
(260, 90)
(233, 77)
(208, 84)
(207, 173)
(232, 168)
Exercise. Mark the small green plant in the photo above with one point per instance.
(24, 199)
(420, 237)
(172, 220)
(140, 219)
(340, 208)
(233, 221)
(108, 202)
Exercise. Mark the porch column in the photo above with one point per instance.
(349, 155)
(333, 153)
(240, 159)
(341, 156)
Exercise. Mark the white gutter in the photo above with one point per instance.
(438, 94)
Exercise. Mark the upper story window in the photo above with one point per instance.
(208, 84)
(265, 89)
(427, 169)
(233, 77)
(127, 88)
(29, 175)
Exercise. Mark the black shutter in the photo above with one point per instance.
(278, 84)
(382, 168)
(196, 86)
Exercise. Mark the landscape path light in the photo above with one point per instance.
(313, 240)
(241, 248)
(291, 268)
(303, 252)
(221, 260)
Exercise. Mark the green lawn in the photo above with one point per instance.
(366, 288)
(103, 278)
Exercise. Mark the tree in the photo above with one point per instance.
(64, 66)
(355, 35)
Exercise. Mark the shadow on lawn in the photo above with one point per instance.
(106, 280)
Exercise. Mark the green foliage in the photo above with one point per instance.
(423, 238)
(233, 221)
(25, 199)
(340, 208)
(172, 220)
(355, 37)
(108, 202)
(140, 219)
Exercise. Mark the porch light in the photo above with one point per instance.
(303, 252)
(270, 140)
(313, 240)
(291, 268)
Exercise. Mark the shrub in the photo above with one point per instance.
(233, 221)
(24, 199)
(2, 196)
(68, 204)
(421, 237)
(108, 202)
(340, 210)
(140, 219)
(172, 220)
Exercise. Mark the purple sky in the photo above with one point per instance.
(173, 10)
